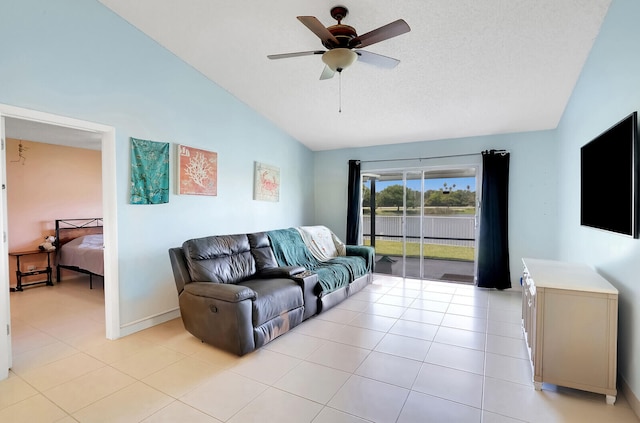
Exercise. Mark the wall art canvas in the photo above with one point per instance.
(149, 172)
(267, 182)
(197, 171)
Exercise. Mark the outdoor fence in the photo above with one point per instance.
(436, 230)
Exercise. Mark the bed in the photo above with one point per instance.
(80, 247)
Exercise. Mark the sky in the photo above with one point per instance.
(434, 184)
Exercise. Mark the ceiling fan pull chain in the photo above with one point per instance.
(340, 92)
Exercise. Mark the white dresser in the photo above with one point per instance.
(570, 323)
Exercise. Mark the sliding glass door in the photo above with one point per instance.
(422, 222)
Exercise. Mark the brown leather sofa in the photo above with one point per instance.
(234, 295)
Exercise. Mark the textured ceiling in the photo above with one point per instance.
(467, 67)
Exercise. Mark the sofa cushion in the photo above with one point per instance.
(261, 250)
(221, 258)
(273, 298)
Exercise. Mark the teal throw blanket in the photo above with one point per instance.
(290, 250)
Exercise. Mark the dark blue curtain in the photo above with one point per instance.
(353, 202)
(493, 243)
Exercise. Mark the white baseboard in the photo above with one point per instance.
(147, 322)
(629, 395)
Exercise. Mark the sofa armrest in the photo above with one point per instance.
(280, 272)
(366, 252)
(220, 291)
(308, 281)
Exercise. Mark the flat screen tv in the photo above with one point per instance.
(609, 179)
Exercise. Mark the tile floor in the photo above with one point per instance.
(399, 351)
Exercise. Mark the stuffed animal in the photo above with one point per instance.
(48, 244)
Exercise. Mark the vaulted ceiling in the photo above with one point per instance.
(466, 68)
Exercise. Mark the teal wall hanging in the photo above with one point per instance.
(149, 172)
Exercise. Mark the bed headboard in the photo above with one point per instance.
(69, 229)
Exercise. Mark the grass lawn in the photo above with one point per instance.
(445, 252)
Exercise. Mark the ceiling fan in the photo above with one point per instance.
(343, 43)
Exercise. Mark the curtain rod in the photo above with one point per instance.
(434, 157)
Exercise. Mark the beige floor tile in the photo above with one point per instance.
(132, 403)
(112, 351)
(489, 417)
(307, 375)
(390, 369)
(468, 298)
(385, 310)
(370, 399)
(358, 337)
(511, 330)
(467, 310)
(42, 356)
(33, 340)
(295, 344)
(318, 328)
(395, 300)
(147, 361)
(422, 316)
(182, 376)
(178, 412)
(13, 390)
(503, 345)
(430, 305)
(61, 371)
(85, 390)
(465, 322)
(275, 406)
(414, 329)
(36, 408)
(313, 381)
(353, 304)
(430, 294)
(422, 408)
(404, 291)
(265, 366)
(339, 356)
(461, 338)
(331, 415)
(403, 346)
(216, 357)
(454, 357)
(224, 395)
(368, 296)
(338, 315)
(373, 322)
(512, 369)
(450, 384)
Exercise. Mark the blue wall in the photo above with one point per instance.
(607, 91)
(76, 58)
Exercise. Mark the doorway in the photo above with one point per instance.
(423, 223)
(10, 115)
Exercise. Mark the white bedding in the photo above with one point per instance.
(85, 252)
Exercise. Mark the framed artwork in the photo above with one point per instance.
(149, 172)
(197, 171)
(266, 186)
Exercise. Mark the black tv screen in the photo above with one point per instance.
(609, 177)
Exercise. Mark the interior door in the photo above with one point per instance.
(5, 312)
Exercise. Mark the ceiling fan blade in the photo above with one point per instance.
(327, 73)
(391, 30)
(377, 59)
(298, 54)
(317, 28)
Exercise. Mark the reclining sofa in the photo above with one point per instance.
(239, 292)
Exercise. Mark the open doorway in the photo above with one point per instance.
(422, 222)
(13, 117)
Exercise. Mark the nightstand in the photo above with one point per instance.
(33, 271)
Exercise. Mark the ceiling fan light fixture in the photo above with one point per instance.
(338, 59)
